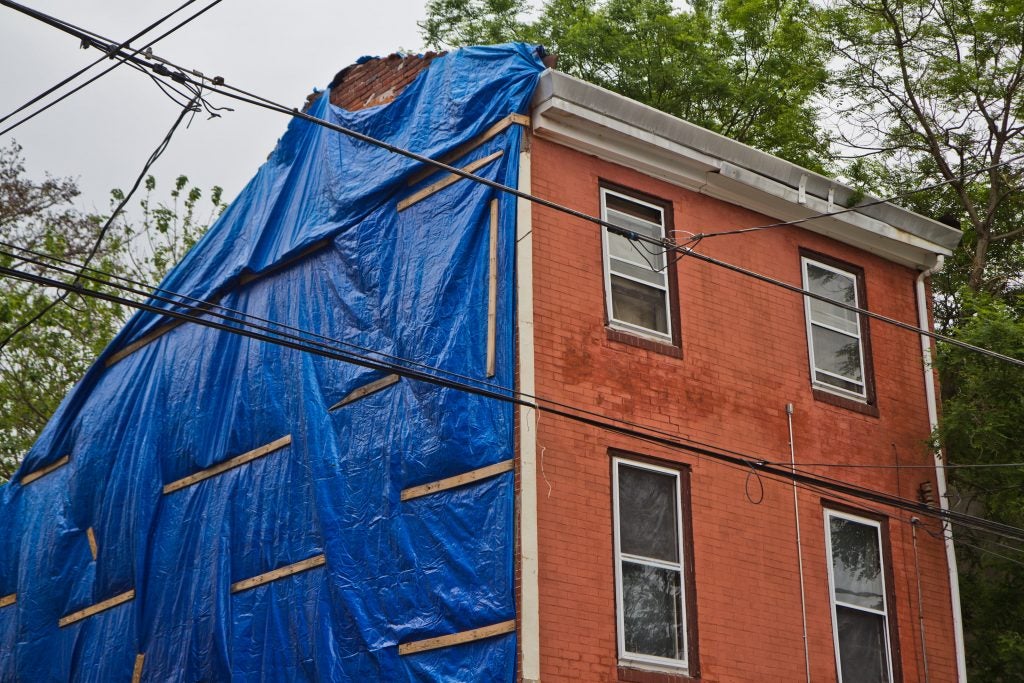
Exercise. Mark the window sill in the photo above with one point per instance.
(856, 406)
(629, 674)
(632, 339)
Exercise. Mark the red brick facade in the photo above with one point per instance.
(743, 357)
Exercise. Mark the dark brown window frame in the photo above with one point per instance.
(890, 581)
(638, 340)
(630, 672)
(869, 406)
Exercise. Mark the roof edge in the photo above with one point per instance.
(611, 126)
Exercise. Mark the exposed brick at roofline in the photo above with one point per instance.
(376, 81)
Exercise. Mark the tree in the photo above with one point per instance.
(930, 91)
(982, 425)
(933, 90)
(40, 363)
(748, 69)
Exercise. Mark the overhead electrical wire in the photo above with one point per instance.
(763, 466)
(760, 466)
(120, 60)
(217, 85)
(106, 226)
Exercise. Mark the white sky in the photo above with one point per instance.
(102, 135)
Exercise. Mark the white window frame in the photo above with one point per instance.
(607, 257)
(861, 396)
(829, 514)
(627, 658)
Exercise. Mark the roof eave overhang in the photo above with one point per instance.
(612, 127)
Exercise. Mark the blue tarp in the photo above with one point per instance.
(413, 284)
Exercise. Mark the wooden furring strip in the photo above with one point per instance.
(144, 341)
(457, 638)
(137, 671)
(465, 148)
(446, 181)
(458, 480)
(492, 292)
(97, 608)
(160, 331)
(246, 278)
(232, 463)
(366, 390)
(279, 573)
(8, 600)
(43, 471)
(93, 548)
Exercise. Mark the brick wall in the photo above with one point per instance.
(375, 81)
(744, 356)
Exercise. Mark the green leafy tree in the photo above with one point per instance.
(927, 92)
(40, 363)
(748, 69)
(932, 89)
(982, 425)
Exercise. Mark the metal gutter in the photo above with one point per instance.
(605, 124)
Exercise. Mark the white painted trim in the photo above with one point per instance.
(824, 386)
(679, 665)
(606, 258)
(598, 122)
(923, 306)
(529, 564)
(832, 587)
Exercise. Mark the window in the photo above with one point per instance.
(860, 609)
(835, 339)
(650, 580)
(636, 274)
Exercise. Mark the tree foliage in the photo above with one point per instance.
(748, 69)
(933, 89)
(41, 363)
(982, 425)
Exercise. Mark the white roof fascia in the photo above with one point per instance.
(599, 122)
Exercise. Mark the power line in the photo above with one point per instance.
(759, 466)
(121, 60)
(667, 245)
(106, 226)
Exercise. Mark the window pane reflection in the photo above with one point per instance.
(652, 616)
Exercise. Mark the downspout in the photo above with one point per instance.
(799, 544)
(940, 473)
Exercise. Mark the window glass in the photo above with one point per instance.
(836, 353)
(836, 349)
(856, 564)
(648, 521)
(859, 608)
(862, 646)
(639, 305)
(649, 570)
(652, 618)
(636, 273)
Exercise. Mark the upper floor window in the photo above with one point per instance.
(860, 606)
(636, 274)
(650, 581)
(835, 338)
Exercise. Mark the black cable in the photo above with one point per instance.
(121, 60)
(91, 65)
(760, 466)
(103, 230)
(664, 243)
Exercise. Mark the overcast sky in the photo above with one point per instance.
(102, 135)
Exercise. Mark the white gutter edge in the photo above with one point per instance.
(940, 473)
(529, 605)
